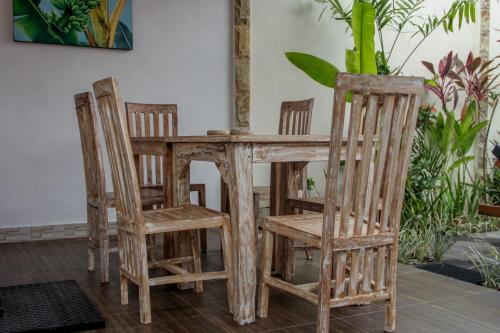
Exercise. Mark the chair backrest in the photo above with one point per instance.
(91, 147)
(125, 182)
(95, 182)
(151, 120)
(295, 118)
(384, 109)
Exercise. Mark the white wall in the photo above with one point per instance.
(182, 54)
(279, 26)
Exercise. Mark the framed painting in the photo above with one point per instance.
(88, 23)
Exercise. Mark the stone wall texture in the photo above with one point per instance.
(242, 64)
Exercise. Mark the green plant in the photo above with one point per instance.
(493, 187)
(414, 245)
(442, 241)
(442, 194)
(368, 18)
(311, 186)
(488, 266)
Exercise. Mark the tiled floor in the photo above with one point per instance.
(426, 302)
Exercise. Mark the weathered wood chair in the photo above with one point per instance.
(134, 224)
(295, 119)
(358, 245)
(157, 120)
(98, 200)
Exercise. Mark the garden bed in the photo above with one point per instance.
(455, 272)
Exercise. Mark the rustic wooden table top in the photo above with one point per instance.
(254, 138)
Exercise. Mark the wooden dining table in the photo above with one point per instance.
(234, 156)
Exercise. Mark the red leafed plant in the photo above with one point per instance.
(476, 78)
(442, 84)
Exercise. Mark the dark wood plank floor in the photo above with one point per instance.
(426, 302)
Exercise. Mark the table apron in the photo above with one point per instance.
(148, 148)
(268, 153)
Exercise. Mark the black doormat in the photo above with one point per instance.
(48, 307)
(456, 272)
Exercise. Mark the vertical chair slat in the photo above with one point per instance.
(158, 159)
(350, 163)
(147, 132)
(157, 123)
(368, 124)
(166, 125)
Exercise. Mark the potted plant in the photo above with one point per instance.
(491, 206)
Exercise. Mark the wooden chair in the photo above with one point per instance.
(295, 119)
(134, 224)
(98, 200)
(310, 204)
(157, 120)
(359, 246)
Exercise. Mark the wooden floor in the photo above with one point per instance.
(426, 302)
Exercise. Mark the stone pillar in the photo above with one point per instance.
(484, 51)
(242, 64)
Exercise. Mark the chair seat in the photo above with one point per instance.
(309, 229)
(182, 218)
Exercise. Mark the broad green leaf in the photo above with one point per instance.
(316, 68)
(363, 31)
(465, 142)
(24, 7)
(473, 12)
(468, 119)
(352, 61)
(447, 134)
(35, 26)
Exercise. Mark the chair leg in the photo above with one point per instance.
(390, 304)
(227, 249)
(91, 220)
(104, 252)
(309, 254)
(123, 290)
(143, 279)
(91, 259)
(195, 251)
(202, 202)
(324, 292)
(265, 271)
(145, 303)
(390, 315)
(151, 244)
(288, 259)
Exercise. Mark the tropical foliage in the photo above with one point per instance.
(487, 265)
(443, 193)
(367, 19)
(72, 22)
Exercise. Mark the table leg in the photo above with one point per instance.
(277, 207)
(168, 198)
(240, 181)
(181, 189)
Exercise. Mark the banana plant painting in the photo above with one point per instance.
(90, 23)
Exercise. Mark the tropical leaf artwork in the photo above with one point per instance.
(89, 23)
